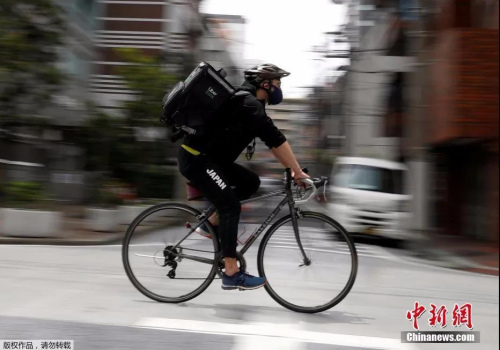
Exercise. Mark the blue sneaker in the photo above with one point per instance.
(242, 281)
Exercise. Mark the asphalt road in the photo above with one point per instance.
(82, 294)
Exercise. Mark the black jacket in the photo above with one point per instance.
(240, 121)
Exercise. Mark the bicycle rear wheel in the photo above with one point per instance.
(308, 286)
(151, 262)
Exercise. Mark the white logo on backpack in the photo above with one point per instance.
(211, 92)
(216, 178)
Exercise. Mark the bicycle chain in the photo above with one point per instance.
(198, 250)
(194, 250)
(198, 278)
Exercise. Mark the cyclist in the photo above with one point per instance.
(209, 162)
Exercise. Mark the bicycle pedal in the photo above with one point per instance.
(229, 288)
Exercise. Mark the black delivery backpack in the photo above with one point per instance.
(192, 104)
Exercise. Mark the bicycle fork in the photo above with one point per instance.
(295, 212)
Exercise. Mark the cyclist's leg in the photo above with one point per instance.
(212, 181)
(245, 181)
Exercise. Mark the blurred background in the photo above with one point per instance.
(396, 100)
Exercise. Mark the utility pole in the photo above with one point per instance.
(415, 128)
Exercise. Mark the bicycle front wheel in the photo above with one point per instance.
(151, 254)
(320, 281)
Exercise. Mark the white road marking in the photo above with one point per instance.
(333, 251)
(365, 251)
(265, 343)
(285, 333)
(345, 247)
(312, 229)
(283, 239)
(408, 260)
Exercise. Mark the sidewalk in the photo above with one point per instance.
(451, 252)
(73, 232)
(458, 253)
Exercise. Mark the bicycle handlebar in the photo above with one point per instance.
(306, 198)
(314, 185)
(311, 190)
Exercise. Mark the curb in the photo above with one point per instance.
(447, 259)
(106, 238)
(109, 238)
(484, 271)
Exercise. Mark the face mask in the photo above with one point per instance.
(275, 95)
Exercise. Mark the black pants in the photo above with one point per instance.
(216, 182)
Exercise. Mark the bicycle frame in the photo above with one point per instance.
(288, 199)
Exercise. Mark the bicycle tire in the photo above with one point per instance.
(354, 260)
(126, 262)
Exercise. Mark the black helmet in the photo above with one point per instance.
(266, 71)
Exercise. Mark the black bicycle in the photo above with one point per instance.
(308, 259)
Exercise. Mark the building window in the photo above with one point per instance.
(86, 7)
(485, 14)
(409, 10)
(86, 12)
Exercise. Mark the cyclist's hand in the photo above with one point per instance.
(299, 176)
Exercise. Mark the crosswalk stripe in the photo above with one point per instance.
(312, 249)
(265, 343)
(339, 246)
(272, 332)
(368, 253)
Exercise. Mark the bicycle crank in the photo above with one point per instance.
(221, 265)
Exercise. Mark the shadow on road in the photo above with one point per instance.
(279, 314)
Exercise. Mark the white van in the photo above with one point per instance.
(371, 196)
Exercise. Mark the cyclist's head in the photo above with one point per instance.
(267, 79)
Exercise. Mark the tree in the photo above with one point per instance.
(30, 33)
(118, 152)
(147, 77)
(111, 142)
(145, 162)
(98, 137)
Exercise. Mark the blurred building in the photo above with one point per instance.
(453, 124)
(224, 44)
(422, 88)
(328, 105)
(36, 154)
(75, 60)
(361, 17)
(294, 119)
(168, 28)
(153, 27)
(65, 161)
(374, 106)
(378, 64)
